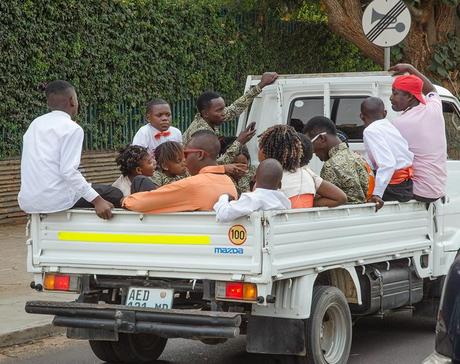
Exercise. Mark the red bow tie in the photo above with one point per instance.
(162, 133)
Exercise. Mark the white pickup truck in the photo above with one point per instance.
(291, 281)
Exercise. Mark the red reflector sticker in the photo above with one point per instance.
(234, 290)
(62, 283)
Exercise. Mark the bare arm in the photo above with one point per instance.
(330, 195)
(401, 68)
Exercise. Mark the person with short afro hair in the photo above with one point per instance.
(157, 129)
(212, 113)
(300, 184)
(133, 160)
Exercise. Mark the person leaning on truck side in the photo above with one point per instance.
(388, 154)
(50, 179)
(196, 193)
(212, 113)
(422, 124)
(342, 167)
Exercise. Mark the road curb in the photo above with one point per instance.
(29, 334)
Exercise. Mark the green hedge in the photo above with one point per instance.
(120, 53)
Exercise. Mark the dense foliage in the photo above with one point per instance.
(120, 53)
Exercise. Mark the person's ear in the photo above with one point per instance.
(361, 116)
(163, 167)
(384, 113)
(279, 185)
(138, 170)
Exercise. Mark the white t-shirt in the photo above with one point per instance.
(302, 181)
(123, 183)
(387, 151)
(50, 179)
(259, 199)
(145, 137)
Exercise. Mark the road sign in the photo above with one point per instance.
(386, 22)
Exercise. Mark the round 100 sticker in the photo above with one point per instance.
(237, 234)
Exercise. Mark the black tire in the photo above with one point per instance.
(330, 316)
(104, 350)
(139, 348)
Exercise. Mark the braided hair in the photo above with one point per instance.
(168, 151)
(282, 143)
(129, 158)
(307, 149)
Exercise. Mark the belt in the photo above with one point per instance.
(402, 175)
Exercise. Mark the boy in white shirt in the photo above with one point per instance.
(266, 195)
(388, 154)
(50, 179)
(158, 129)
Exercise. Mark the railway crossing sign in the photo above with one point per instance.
(386, 22)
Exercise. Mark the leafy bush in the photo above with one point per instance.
(119, 53)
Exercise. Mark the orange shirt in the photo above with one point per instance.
(199, 192)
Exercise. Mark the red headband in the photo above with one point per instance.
(411, 84)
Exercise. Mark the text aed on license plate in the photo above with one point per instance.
(150, 297)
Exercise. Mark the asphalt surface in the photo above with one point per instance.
(399, 339)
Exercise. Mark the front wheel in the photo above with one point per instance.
(329, 332)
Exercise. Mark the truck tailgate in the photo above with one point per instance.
(190, 245)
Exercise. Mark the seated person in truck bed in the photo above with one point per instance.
(197, 193)
(265, 197)
(300, 185)
(158, 128)
(50, 179)
(388, 154)
(133, 161)
(170, 164)
(342, 167)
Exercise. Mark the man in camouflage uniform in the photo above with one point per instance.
(212, 113)
(342, 167)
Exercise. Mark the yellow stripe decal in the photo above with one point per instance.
(113, 238)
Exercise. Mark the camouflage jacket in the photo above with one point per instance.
(347, 170)
(231, 112)
(161, 179)
(244, 183)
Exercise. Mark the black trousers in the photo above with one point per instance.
(107, 192)
(401, 192)
(142, 184)
(426, 199)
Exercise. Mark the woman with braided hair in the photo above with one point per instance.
(299, 183)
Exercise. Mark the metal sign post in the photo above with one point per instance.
(386, 23)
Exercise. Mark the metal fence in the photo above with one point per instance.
(105, 136)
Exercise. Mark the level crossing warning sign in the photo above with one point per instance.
(386, 22)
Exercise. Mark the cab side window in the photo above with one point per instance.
(452, 119)
(344, 113)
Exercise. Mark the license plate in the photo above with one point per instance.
(150, 297)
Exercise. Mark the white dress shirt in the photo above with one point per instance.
(50, 179)
(387, 151)
(259, 199)
(123, 183)
(145, 137)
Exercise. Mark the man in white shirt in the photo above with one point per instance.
(388, 154)
(52, 145)
(265, 197)
(158, 128)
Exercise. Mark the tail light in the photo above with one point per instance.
(236, 291)
(61, 282)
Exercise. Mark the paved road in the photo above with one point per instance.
(396, 340)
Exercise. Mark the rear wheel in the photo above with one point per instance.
(328, 336)
(103, 350)
(139, 348)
